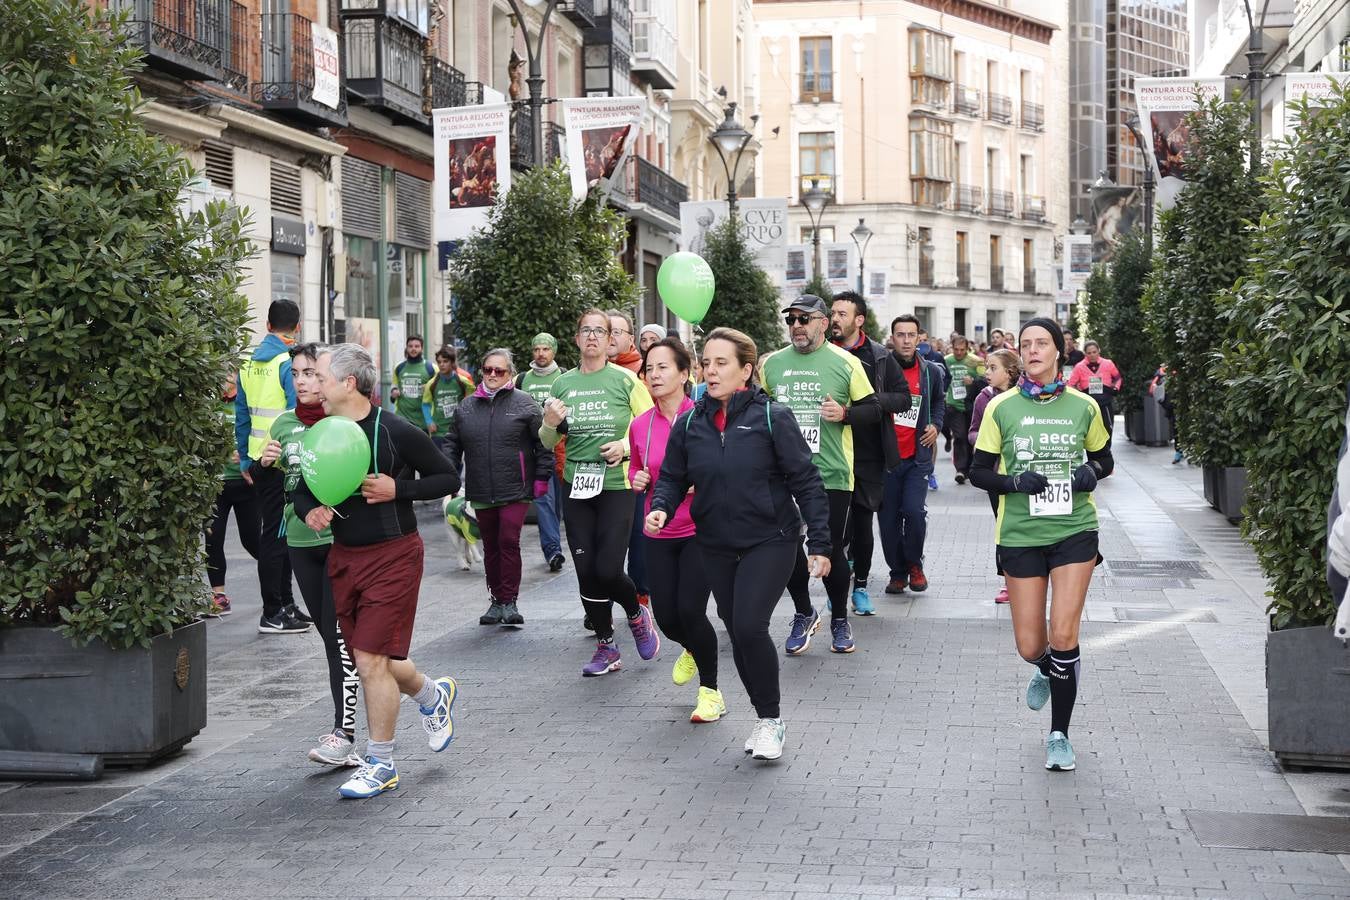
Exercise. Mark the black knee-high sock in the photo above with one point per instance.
(1064, 666)
(1042, 662)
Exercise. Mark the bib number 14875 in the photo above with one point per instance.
(1056, 500)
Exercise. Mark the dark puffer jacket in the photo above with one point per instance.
(498, 440)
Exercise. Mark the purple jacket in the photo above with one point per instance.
(977, 412)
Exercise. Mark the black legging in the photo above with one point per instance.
(274, 565)
(959, 419)
(837, 582)
(236, 494)
(747, 585)
(680, 601)
(861, 543)
(310, 565)
(597, 535)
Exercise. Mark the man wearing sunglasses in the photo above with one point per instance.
(829, 394)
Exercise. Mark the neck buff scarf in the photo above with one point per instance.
(309, 413)
(1036, 391)
(545, 370)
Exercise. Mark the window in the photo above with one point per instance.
(826, 234)
(403, 266)
(930, 160)
(930, 67)
(363, 292)
(817, 69)
(815, 155)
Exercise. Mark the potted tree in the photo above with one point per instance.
(119, 314)
(1127, 344)
(1286, 374)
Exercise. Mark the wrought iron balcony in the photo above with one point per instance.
(963, 274)
(659, 189)
(1028, 281)
(522, 136)
(287, 83)
(580, 12)
(384, 65)
(187, 38)
(1033, 208)
(237, 57)
(447, 85)
(473, 93)
(1001, 203)
(995, 278)
(555, 142)
(968, 198)
(966, 101)
(1033, 116)
(998, 108)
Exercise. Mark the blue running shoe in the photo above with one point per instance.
(437, 721)
(932, 482)
(1059, 753)
(374, 777)
(862, 604)
(1038, 690)
(841, 636)
(799, 638)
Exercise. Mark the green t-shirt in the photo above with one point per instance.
(600, 406)
(231, 470)
(539, 386)
(802, 381)
(443, 395)
(289, 430)
(958, 392)
(1051, 437)
(410, 377)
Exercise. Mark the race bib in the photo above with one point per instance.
(958, 392)
(448, 405)
(910, 417)
(811, 432)
(588, 481)
(1056, 500)
(1094, 385)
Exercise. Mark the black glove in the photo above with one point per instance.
(1084, 479)
(1029, 482)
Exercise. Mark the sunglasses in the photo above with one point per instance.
(495, 371)
(799, 320)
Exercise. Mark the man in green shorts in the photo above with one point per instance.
(828, 392)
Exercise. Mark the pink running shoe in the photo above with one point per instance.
(1002, 595)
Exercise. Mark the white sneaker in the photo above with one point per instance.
(769, 739)
(438, 721)
(335, 750)
(754, 735)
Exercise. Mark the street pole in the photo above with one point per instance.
(535, 77)
(815, 251)
(1149, 187)
(1256, 57)
(862, 236)
(815, 200)
(730, 139)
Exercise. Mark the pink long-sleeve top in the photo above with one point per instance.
(1082, 375)
(647, 438)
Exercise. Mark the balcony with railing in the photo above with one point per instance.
(236, 59)
(963, 274)
(1001, 203)
(968, 198)
(1033, 116)
(447, 85)
(473, 93)
(287, 82)
(966, 101)
(414, 14)
(1028, 281)
(522, 136)
(655, 59)
(998, 108)
(1033, 208)
(580, 13)
(646, 183)
(187, 38)
(555, 142)
(926, 275)
(384, 65)
(995, 278)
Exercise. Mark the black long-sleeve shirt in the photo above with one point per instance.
(402, 451)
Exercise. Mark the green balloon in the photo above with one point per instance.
(686, 285)
(334, 458)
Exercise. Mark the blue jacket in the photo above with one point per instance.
(932, 409)
(243, 424)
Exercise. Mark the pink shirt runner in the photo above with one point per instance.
(647, 438)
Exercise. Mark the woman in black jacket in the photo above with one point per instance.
(497, 429)
(747, 461)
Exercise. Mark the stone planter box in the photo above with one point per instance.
(1211, 480)
(1157, 432)
(1134, 426)
(1308, 692)
(128, 706)
(1232, 492)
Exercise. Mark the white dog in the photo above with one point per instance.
(465, 539)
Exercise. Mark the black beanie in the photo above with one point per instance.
(1056, 335)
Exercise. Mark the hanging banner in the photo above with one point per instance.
(797, 271)
(837, 261)
(1163, 105)
(600, 134)
(763, 225)
(877, 284)
(1077, 261)
(1115, 211)
(1315, 87)
(473, 164)
(327, 73)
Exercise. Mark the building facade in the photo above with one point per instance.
(941, 126)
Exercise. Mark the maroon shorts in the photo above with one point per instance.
(375, 593)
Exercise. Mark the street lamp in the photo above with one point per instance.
(1255, 60)
(861, 235)
(815, 201)
(534, 52)
(1132, 123)
(729, 138)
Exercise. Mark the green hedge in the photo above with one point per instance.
(1093, 310)
(1123, 338)
(119, 319)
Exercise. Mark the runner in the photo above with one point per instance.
(1099, 378)
(537, 381)
(593, 405)
(647, 337)
(410, 377)
(932, 352)
(748, 462)
(442, 393)
(237, 494)
(1003, 369)
(1043, 448)
(679, 581)
(496, 431)
(904, 506)
(828, 393)
(875, 449)
(963, 368)
(308, 551)
(1073, 355)
(622, 352)
(375, 564)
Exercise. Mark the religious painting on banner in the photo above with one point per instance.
(600, 135)
(1115, 211)
(1164, 104)
(473, 167)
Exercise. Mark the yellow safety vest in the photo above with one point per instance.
(261, 383)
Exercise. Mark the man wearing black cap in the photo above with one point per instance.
(828, 392)
(875, 449)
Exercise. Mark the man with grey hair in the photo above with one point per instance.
(375, 566)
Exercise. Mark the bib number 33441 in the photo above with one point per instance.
(588, 481)
(1056, 500)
